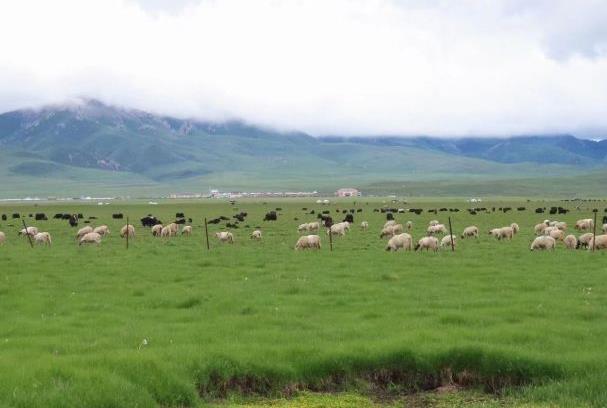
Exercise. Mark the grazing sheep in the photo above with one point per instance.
(548, 230)
(598, 242)
(339, 229)
(515, 228)
(174, 228)
(409, 225)
(90, 238)
(502, 233)
(157, 230)
(166, 232)
(308, 242)
(557, 234)
(2, 238)
(427, 243)
(391, 230)
(83, 231)
(495, 232)
(436, 228)
(584, 225)
(102, 230)
(561, 225)
(31, 231)
(225, 236)
(43, 238)
(446, 241)
(539, 228)
(584, 240)
(313, 226)
(404, 241)
(302, 227)
(570, 242)
(543, 243)
(187, 230)
(469, 232)
(389, 223)
(433, 223)
(364, 225)
(127, 229)
(256, 235)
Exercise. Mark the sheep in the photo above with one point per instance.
(31, 231)
(166, 232)
(391, 230)
(225, 236)
(409, 225)
(502, 233)
(598, 242)
(404, 241)
(157, 230)
(102, 230)
(539, 228)
(364, 225)
(256, 235)
(389, 223)
(302, 228)
(308, 242)
(83, 231)
(433, 223)
(584, 240)
(436, 228)
(313, 226)
(90, 238)
(427, 243)
(570, 242)
(338, 229)
(187, 230)
(495, 232)
(548, 230)
(446, 241)
(469, 232)
(174, 228)
(561, 225)
(557, 234)
(127, 230)
(515, 228)
(584, 224)
(2, 238)
(43, 238)
(543, 243)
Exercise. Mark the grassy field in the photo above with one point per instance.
(170, 324)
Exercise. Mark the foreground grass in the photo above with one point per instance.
(167, 323)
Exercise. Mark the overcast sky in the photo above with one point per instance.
(322, 66)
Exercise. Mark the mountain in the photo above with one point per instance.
(92, 146)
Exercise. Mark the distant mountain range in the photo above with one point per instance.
(129, 147)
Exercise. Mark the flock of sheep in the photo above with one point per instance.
(547, 232)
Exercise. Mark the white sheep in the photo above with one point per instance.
(90, 238)
(2, 238)
(83, 231)
(539, 228)
(446, 241)
(187, 230)
(543, 243)
(557, 234)
(436, 228)
(433, 223)
(471, 231)
(409, 225)
(313, 226)
(225, 236)
(308, 242)
(43, 238)
(584, 225)
(157, 230)
(389, 222)
(127, 229)
(584, 240)
(427, 243)
(570, 242)
(404, 241)
(515, 228)
(31, 231)
(364, 225)
(302, 227)
(598, 242)
(256, 235)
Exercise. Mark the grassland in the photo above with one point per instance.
(168, 323)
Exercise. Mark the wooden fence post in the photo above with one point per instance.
(451, 235)
(206, 233)
(29, 237)
(127, 233)
(594, 233)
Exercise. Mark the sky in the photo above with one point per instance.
(357, 67)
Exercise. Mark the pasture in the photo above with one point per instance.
(168, 323)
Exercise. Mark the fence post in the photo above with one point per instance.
(206, 233)
(594, 233)
(451, 235)
(330, 239)
(29, 237)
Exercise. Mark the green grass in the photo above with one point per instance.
(168, 323)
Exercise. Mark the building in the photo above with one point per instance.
(347, 192)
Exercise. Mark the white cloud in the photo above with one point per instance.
(332, 66)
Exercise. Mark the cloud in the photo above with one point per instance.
(332, 66)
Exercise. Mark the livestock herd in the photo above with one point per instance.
(548, 233)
